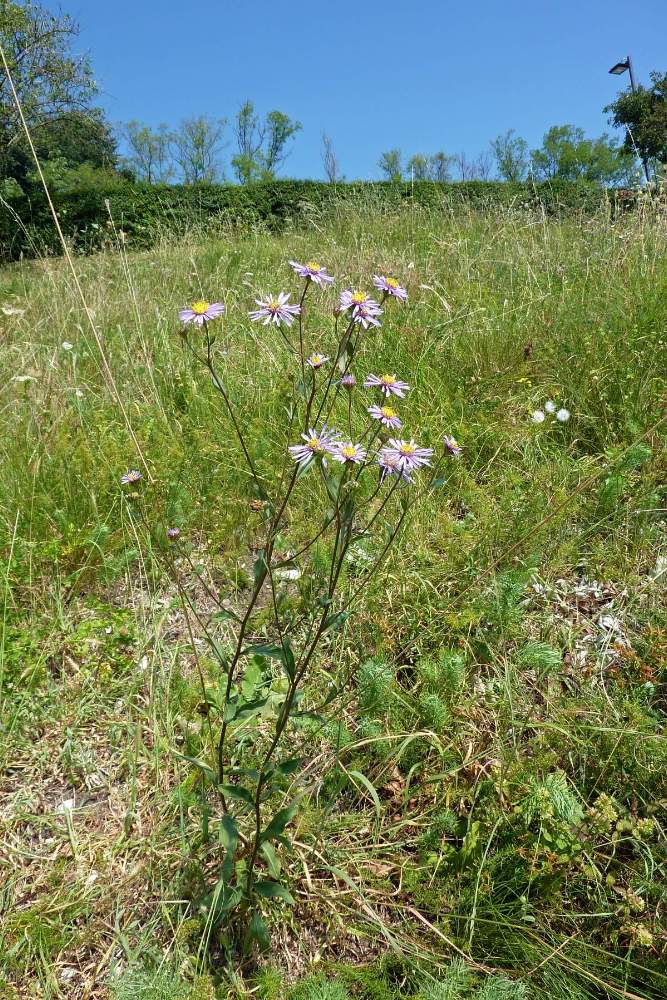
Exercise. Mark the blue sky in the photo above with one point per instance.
(421, 76)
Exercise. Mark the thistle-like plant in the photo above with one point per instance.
(369, 482)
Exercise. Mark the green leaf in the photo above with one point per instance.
(229, 712)
(238, 792)
(308, 717)
(228, 833)
(370, 789)
(224, 615)
(289, 766)
(259, 932)
(261, 649)
(306, 467)
(273, 890)
(335, 621)
(288, 661)
(282, 653)
(280, 821)
(207, 771)
(259, 570)
(250, 708)
(272, 862)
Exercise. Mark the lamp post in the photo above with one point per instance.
(617, 70)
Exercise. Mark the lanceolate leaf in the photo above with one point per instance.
(259, 569)
(229, 834)
(259, 932)
(272, 862)
(238, 792)
(334, 621)
(207, 771)
(273, 890)
(280, 821)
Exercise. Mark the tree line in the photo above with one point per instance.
(78, 146)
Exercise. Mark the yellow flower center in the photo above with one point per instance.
(388, 411)
(407, 449)
(392, 282)
(316, 359)
(348, 451)
(314, 444)
(358, 298)
(273, 305)
(387, 379)
(200, 308)
(312, 265)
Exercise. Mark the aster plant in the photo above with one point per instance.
(266, 649)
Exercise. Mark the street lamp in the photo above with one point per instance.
(617, 70)
(621, 67)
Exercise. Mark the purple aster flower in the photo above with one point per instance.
(275, 310)
(387, 415)
(366, 316)
(173, 533)
(389, 466)
(130, 477)
(390, 287)
(407, 454)
(316, 445)
(388, 384)
(348, 452)
(364, 308)
(312, 271)
(452, 446)
(348, 381)
(201, 312)
(317, 360)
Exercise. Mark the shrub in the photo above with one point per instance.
(141, 212)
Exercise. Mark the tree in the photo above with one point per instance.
(279, 130)
(329, 159)
(55, 89)
(440, 164)
(511, 155)
(643, 115)
(262, 146)
(429, 167)
(418, 167)
(566, 154)
(196, 149)
(390, 163)
(149, 156)
(478, 169)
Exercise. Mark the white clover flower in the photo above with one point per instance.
(66, 346)
(537, 416)
(563, 415)
(550, 406)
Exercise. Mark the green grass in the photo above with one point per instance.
(510, 819)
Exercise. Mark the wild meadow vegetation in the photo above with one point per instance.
(470, 798)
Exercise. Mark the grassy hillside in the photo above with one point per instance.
(484, 810)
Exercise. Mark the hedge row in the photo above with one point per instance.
(144, 211)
